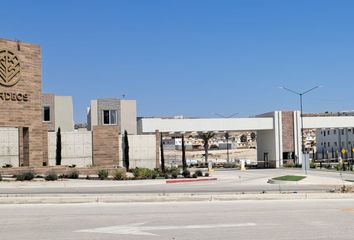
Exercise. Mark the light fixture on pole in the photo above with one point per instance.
(302, 119)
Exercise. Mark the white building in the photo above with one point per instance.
(331, 141)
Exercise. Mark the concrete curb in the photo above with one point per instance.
(146, 198)
(190, 180)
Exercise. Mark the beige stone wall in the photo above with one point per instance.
(288, 131)
(48, 101)
(105, 145)
(25, 114)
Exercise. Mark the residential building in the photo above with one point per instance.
(119, 112)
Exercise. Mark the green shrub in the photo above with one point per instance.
(194, 175)
(312, 165)
(7, 165)
(288, 165)
(72, 166)
(102, 174)
(206, 174)
(144, 173)
(186, 173)
(52, 176)
(199, 173)
(26, 176)
(73, 175)
(119, 174)
(0, 177)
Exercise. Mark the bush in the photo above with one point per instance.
(119, 174)
(51, 177)
(144, 173)
(0, 177)
(72, 166)
(312, 165)
(186, 173)
(26, 176)
(206, 174)
(102, 174)
(194, 175)
(73, 174)
(199, 173)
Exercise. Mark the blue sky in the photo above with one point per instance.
(189, 57)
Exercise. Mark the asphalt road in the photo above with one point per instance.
(253, 181)
(278, 219)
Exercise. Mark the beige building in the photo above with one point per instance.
(57, 111)
(116, 112)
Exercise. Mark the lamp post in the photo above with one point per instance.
(301, 117)
(227, 136)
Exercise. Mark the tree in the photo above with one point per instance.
(184, 162)
(206, 137)
(126, 150)
(162, 154)
(58, 149)
(243, 138)
(253, 136)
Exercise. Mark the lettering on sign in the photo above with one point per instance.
(15, 97)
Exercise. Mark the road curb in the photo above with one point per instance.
(150, 198)
(190, 180)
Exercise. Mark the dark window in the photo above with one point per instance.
(46, 114)
(109, 117)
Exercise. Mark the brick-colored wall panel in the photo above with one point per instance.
(25, 114)
(105, 145)
(288, 131)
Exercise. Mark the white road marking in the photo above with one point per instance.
(139, 229)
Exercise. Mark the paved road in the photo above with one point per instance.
(242, 220)
(254, 181)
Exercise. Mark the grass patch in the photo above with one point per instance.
(289, 178)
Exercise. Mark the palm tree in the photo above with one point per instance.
(206, 137)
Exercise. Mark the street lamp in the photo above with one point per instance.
(227, 136)
(301, 116)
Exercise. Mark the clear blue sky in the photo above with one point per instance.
(192, 58)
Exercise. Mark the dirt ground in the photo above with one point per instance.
(214, 155)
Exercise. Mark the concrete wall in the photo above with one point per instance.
(9, 153)
(127, 116)
(142, 151)
(149, 125)
(64, 117)
(328, 122)
(76, 148)
(48, 101)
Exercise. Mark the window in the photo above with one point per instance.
(109, 117)
(349, 130)
(324, 144)
(329, 144)
(334, 131)
(335, 144)
(342, 131)
(46, 114)
(328, 133)
(324, 133)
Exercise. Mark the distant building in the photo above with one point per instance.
(57, 111)
(334, 140)
(113, 112)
